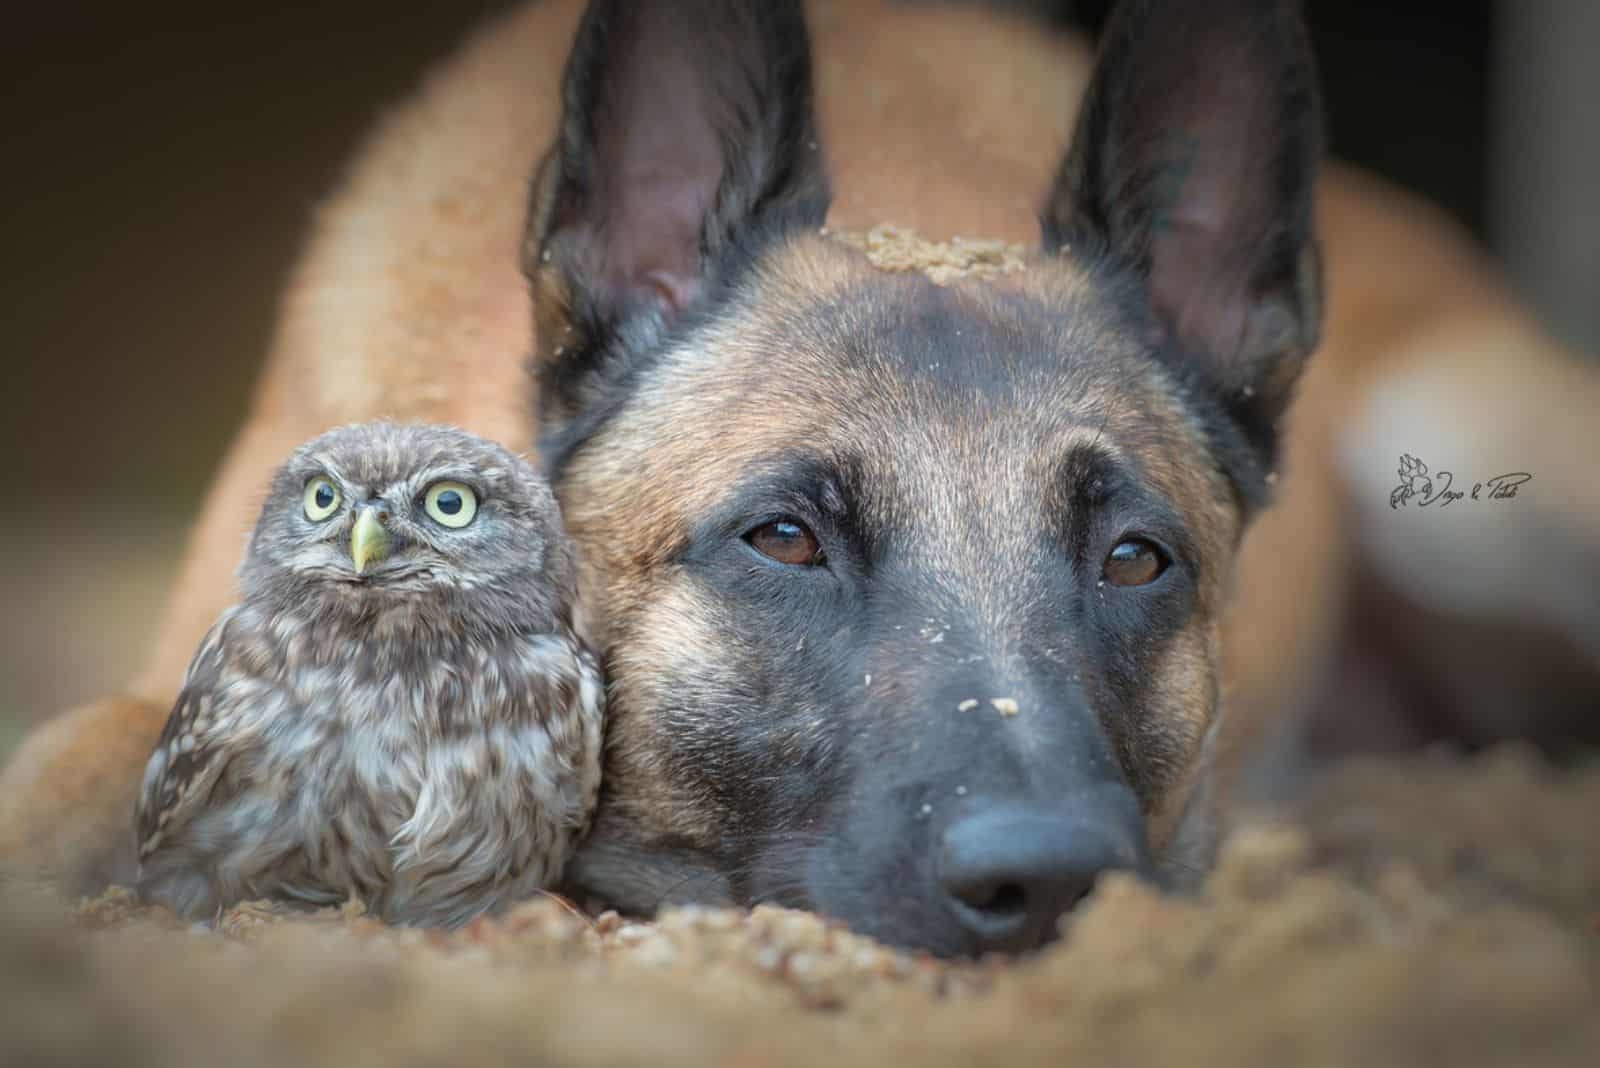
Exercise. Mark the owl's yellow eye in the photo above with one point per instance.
(450, 504)
(321, 499)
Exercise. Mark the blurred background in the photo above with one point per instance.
(166, 158)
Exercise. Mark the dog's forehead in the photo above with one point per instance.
(998, 365)
(954, 397)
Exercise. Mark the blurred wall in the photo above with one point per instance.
(165, 159)
(1545, 163)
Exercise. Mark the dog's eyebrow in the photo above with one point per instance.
(802, 476)
(1094, 479)
(1093, 476)
(800, 482)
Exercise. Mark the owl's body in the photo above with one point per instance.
(423, 733)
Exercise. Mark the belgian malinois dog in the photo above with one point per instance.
(911, 587)
(911, 590)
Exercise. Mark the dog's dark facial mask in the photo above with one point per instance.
(910, 593)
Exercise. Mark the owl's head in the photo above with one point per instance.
(407, 512)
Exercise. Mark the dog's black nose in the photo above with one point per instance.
(1010, 870)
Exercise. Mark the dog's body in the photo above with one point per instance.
(409, 303)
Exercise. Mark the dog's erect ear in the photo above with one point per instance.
(1194, 163)
(687, 138)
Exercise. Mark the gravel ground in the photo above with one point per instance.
(1431, 911)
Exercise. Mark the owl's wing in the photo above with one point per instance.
(188, 761)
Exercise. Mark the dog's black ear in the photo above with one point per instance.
(687, 139)
(1194, 164)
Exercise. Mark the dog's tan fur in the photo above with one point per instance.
(631, 502)
(409, 303)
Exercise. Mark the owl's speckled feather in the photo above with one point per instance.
(424, 734)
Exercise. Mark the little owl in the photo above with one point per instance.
(401, 706)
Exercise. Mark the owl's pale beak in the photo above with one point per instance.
(369, 541)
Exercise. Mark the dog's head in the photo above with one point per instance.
(910, 592)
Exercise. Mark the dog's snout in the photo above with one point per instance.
(1009, 870)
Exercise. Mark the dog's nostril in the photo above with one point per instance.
(1010, 872)
(995, 898)
(1007, 898)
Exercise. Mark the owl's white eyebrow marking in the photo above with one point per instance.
(323, 464)
(451, 472)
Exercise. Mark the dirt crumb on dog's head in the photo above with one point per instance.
(897, 248)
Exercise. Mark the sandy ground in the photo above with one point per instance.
(1434, 911)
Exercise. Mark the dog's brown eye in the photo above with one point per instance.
(787, 542)
(1134, 562)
